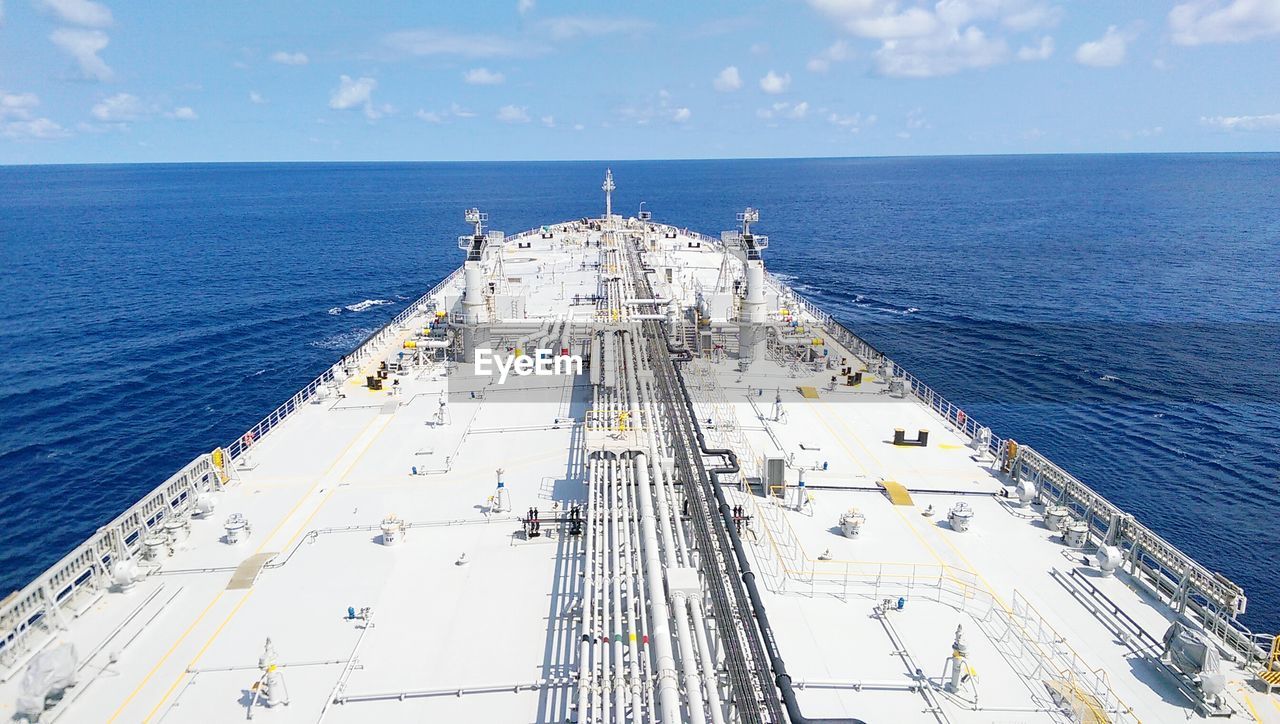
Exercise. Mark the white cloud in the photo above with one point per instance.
(84, 46)
(916, 119)
(357, 93)
(286, 58)
(80, 12)
(1105, 52)
(654, 109)
(17, 105)
(18, 120)
(1210, 21)
(483, 76)
(36, 128)
(1020, 16)
(119, 107)
(351, 93)
(573, 26)
(821, 63)
(939, 54)
(432, 41)
(524, 7)
(727, 80)
(854, 123)
(453, 111)
(1041, 51)
(784, 110)
(549, 121)
(773, 83)
(927, 39)
(256, 98)
(1244, 123)
(513, 114)
(117, 110)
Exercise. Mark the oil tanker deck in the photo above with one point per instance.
(612, 470)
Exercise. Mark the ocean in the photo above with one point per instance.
(1119, 313)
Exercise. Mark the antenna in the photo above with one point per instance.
(477, 217)
(744, 242)
(608, 189)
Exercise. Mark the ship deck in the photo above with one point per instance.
(468, 618)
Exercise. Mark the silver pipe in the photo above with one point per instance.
(615, 597)
(688, 663)
(588, 596)
(455, 691)
(668, 688)
(709, 674)
(633, 586)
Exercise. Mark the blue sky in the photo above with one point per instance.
(117, 81)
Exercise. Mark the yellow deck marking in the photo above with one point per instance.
(897, 492)
(1249, 703)
(217, 632)
(216, 598)
(164, 658)
(200, 653)
(856, 461)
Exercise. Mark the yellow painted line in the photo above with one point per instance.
(199, 653)
(1274, 703)
(316, 484)
(199, 618)
(923, 542)
(164, 658)
(907, 523)
(840, 440)
(1249, 703)
(301, 528)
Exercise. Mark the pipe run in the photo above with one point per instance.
(781, 678)
(455, 691)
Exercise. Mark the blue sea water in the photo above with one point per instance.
(1118, 313)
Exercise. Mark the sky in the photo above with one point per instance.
(83, 81)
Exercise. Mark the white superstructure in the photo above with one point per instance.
(734, 510)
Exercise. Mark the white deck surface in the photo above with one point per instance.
(183, 647)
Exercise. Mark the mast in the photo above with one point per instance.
(608, 188)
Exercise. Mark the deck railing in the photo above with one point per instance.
(30, 616)
(1185, 585)
(366, 349)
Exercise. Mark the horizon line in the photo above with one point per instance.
(643, 160)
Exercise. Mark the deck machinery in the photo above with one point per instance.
(613, 470)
